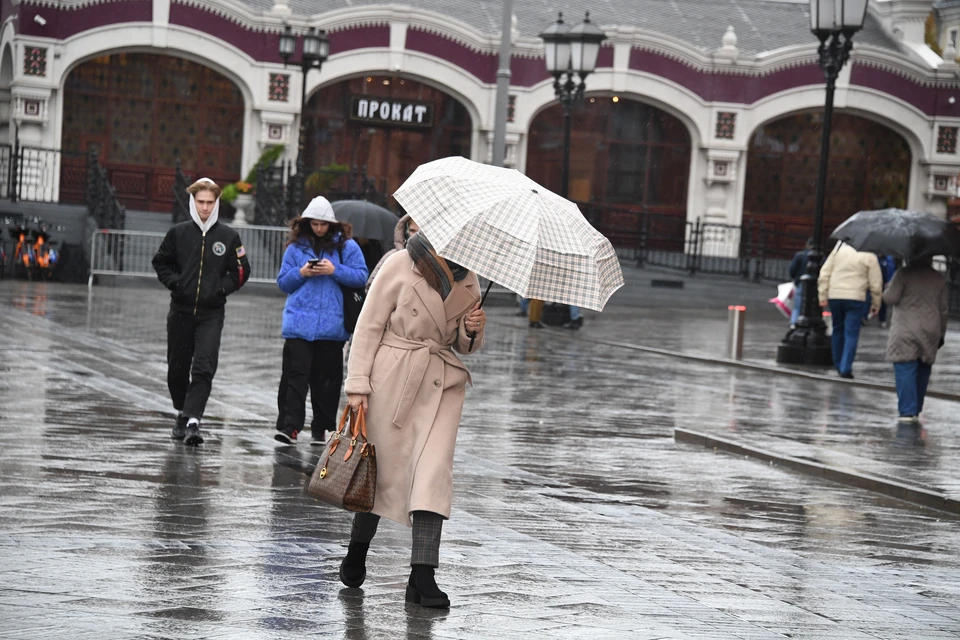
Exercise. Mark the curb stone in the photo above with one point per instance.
(755, 366)
(851, 477)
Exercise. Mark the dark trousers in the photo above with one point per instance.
(913, 378)
(847, 315)
(193, 349)
(315, 365)
(427, 527)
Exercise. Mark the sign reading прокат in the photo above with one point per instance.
(391, 112)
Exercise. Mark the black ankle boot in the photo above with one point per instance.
(353, 569)
(422, 589)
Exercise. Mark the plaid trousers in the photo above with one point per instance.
(427, 527)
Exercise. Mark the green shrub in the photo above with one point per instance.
(230, 193)
(267, 158)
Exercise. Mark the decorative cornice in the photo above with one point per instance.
(530, 47)
(265, 22)
(66, 7)
(905, 68)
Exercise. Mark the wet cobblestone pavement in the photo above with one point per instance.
(694, 320)
(575, 514)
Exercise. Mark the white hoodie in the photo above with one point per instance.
(212, 220)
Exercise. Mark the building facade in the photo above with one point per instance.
(705, 110)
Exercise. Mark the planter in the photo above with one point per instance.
(245, 209)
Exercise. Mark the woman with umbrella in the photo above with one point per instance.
(404, 372)
(422, 307)
(918, 293)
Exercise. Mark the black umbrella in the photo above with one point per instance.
(907, 235)
(369, 220)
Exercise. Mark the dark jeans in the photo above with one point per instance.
(912, 381)
(315, 365)
(847, 315)
(882, 314)
(193, 350)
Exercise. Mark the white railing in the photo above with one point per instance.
(130, 253)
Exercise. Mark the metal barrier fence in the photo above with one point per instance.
(115, 252)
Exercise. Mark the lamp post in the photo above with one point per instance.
(570, 52)
(833, 22)
(316, 49)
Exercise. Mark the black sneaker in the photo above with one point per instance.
(193, 437)
(537, 325)
(573, 324)
(179, 428)
(319, 440)
(287, 436)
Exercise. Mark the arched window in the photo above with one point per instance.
(623, 152)
(869, 169)
(414, 123)
(143, 112)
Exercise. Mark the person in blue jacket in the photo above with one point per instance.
(320, 256)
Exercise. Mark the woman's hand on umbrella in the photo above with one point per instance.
(356, 400)
(476, 319)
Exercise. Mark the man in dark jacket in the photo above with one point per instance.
(201, 261)
(798, 267)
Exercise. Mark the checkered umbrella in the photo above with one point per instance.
(510, 230)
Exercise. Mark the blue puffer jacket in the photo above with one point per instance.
(314, 308)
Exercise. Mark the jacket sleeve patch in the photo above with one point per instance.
(241, 251)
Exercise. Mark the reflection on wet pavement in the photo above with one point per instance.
(694, 320)
(576, 514)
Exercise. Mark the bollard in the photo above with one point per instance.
(735, 319)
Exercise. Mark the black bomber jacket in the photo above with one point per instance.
(201, 270)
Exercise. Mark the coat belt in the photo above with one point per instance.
(421, 359)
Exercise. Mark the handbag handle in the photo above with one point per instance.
(358, 428)
(339, 433)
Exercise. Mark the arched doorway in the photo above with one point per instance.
(385, 125)
(142, 112)
(869, 169)
(625, 156)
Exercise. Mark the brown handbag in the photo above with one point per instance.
(348, 481)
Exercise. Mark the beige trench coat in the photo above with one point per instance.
(402, 356)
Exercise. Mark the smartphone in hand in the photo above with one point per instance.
(314, 262)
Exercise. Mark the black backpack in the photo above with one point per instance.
(352, 303)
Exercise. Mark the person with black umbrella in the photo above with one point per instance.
(918, 294)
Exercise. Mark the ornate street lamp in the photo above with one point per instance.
(316, 50)
(570, 53)
(833, 22)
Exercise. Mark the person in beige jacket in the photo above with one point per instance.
(845, 279)
(403, 369)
